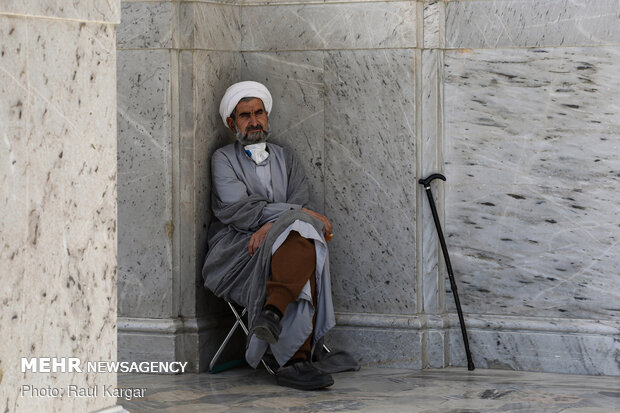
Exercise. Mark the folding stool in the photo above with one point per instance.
(239, 322)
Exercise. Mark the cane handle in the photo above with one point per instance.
(427, 182)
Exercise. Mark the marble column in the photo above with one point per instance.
(58, 198)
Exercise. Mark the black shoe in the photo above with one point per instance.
(268, 327)
(303, 376)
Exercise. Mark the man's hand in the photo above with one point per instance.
(258, 237)
(328, 228)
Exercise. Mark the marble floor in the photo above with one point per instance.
(451, 390)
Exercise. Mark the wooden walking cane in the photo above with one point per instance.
(427, 186)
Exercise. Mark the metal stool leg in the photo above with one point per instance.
(245, 330)
(238, 322)
(269, 369)
(238, 317)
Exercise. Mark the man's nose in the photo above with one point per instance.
(253, 120)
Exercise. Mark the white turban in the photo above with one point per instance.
(238, 91)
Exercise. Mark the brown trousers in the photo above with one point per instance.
(292, 265)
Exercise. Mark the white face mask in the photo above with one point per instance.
(258, 152)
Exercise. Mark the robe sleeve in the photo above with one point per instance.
(230, 201)
(272, 211)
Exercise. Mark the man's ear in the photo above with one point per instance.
(231, 124)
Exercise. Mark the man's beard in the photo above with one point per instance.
(253, 136)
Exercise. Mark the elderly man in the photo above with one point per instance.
(267, 250)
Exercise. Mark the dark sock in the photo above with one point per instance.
(274, 309)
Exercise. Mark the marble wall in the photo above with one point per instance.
(333, 68)
(512, 100)
(531, 210)
(174, 62)
(57, 197)
(523, 90)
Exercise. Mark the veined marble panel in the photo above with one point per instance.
(538, 351)
(370, 179)
(189, 216)
(429, 162)
(436, 349)
(105, 11)
(434, 24)
(297, 121)
(144, 184)
(15, 221)
(186, 339)
(290, 2)
(574, 346)
(377, 346)
(284, 2)
(532, 217)
(146, 25)
(540, 23)
(329, 26)
(204, 79)
(210, 26)
(58, 202)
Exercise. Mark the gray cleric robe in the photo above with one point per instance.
(241, 205)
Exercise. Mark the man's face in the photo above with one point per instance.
(250, 123)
